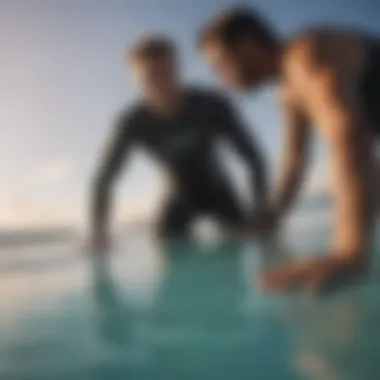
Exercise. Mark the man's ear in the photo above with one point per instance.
(243, 45)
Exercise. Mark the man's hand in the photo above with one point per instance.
(313, 275)
(264, 222)
(98, 244)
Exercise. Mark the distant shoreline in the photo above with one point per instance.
(35, 236)
(17, 238)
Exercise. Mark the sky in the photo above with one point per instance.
(63, 79)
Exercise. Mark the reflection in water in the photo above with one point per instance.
(185, 312)
(110, 308)
(334, 336)
(325, 333)
(123, 319)
(123, 305)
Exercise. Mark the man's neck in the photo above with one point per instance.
(169, 107)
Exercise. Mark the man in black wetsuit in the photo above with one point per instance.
(178, 127)
(329, 80)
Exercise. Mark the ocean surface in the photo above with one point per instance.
(188, 312)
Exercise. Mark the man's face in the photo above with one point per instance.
(157, 77)
(241, 67)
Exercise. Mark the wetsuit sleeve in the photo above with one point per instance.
(116, 150)
(245, 144)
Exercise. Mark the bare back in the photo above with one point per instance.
(347, 60)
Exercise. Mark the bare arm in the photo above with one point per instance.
(326, 68)
(350, 157)
(294, 158)
(329, 72)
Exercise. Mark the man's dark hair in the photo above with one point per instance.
(151, 47)
(228, 26)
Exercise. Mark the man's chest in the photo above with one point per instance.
(182, 140)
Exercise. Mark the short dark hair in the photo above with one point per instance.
(151, 47)
(230, 25)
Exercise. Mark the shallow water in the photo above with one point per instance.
(183, 313)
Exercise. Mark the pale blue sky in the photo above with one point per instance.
(62, 79)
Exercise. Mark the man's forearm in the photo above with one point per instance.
(354, 193)
(294, 159)
(352, 227)
(116, 151)
(99, 211)
(249, 150)
(252, 153)
(287, 191)
(260, 186)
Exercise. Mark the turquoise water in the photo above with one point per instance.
(184, 313)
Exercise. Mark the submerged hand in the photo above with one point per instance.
(313, 275)
(97, 244)
(263, 223)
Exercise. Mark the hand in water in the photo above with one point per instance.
(264, 223)
(98, 244)
(313, 275)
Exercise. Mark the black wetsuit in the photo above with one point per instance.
(184, 145)
(371, 82)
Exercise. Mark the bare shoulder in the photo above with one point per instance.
(291, 102)
(331, 51)
(286, 93)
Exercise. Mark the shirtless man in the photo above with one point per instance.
(329, 79)
(178, 127)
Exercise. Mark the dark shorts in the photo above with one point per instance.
(179, 211)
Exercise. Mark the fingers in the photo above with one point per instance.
(285, 277)
(309, 275)
(96, 246)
